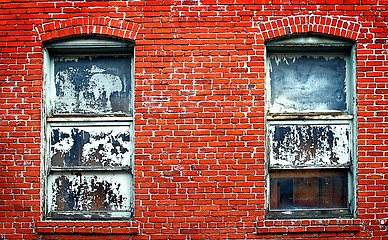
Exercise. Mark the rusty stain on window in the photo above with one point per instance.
(89, 192)
(92, 85)
(307, 83)
(90, 146)
(309, 145)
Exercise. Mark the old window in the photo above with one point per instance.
(89, 129)
(310, 122)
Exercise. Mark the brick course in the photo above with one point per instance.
(199, 100)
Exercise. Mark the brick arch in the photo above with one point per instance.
(345, 28)
(85, 26)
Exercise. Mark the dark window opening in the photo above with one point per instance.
(308, 189)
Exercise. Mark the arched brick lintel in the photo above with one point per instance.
(104, 26)
(335, 26)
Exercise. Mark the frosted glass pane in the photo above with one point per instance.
(307, 83)
(92, 85)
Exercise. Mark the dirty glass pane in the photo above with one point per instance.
(92, 85)
(309, 145)
(86, 146)
(308, 189)
(89, 191)
(307, 83)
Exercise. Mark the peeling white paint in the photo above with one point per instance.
(91, 146)
(110, 154)
(64, 145)
(309, 145)
(102, 84)
(89, 192)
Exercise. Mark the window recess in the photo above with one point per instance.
(310, 124)
(89, 130)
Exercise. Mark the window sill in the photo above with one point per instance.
(309, 226)
(87, 227)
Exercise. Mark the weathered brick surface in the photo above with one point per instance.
(200, 170)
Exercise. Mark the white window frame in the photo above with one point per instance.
(306, 45)
(90, 46)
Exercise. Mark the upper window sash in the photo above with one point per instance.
(303, 83)
(86, 85)
(89, 78)
(310, 76)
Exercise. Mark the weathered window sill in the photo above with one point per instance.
(87, 227)
(309, 226)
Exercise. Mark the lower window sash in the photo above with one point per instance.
(309, 192)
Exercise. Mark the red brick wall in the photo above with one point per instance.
(200, 170)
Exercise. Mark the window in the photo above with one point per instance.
(89, 129)
(310, 122)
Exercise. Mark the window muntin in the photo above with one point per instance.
(310, 128)
(89, 130)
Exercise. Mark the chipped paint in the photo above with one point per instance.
(85, 191)
(307, 83)
(309, 145)
(92, 85)
(90, 146)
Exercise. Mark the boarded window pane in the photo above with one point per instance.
(308, 189)
(309, 145)
(92, 85)
(307, 83)
(89, 192)
(83, 146)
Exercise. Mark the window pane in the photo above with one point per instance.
(309, 145)
(83, 146)
(89, 191)
(92, 85)
(307, 83)
(308, 189)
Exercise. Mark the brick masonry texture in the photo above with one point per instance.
(199, 122)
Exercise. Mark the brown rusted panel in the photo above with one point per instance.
(308, 189)
(306, 192)
(334, 191)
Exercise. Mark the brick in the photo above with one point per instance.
(200, 98)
